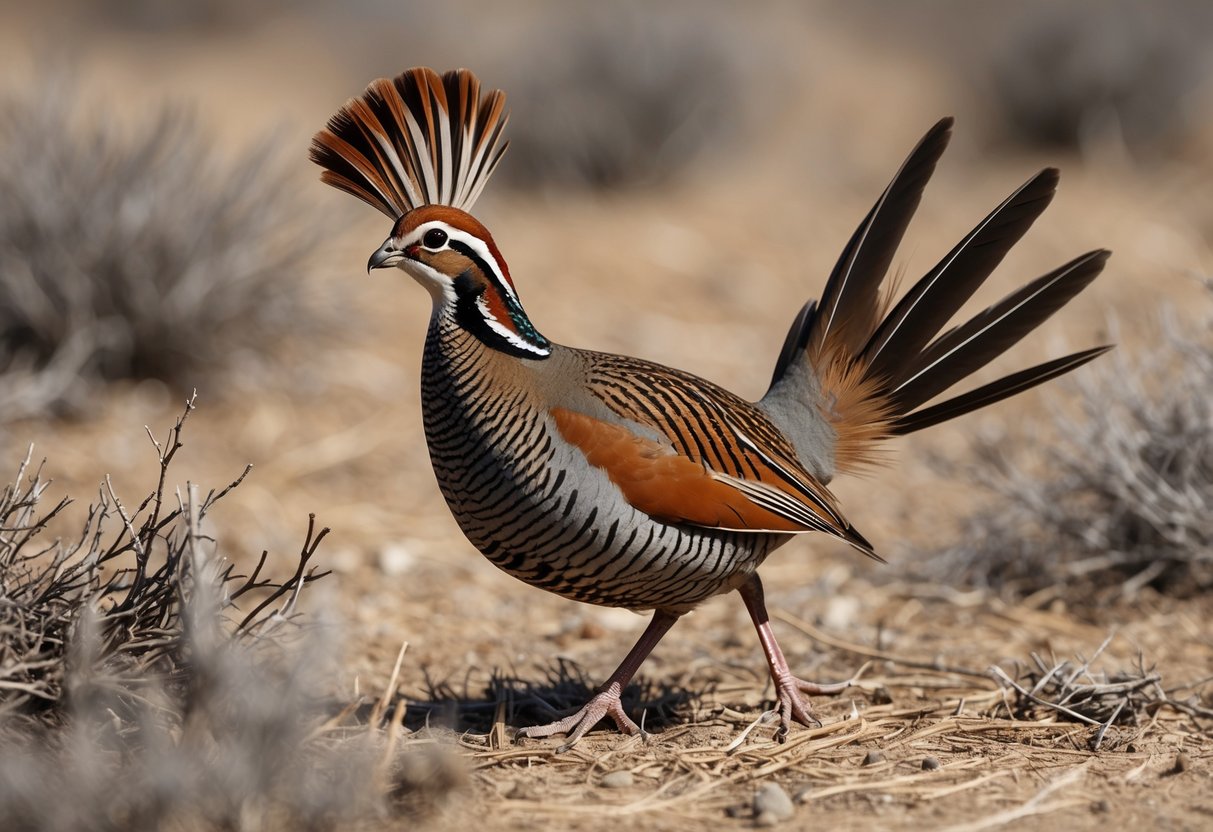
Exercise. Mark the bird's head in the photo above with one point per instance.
(446, 250)
(419, 148)
(453, 256)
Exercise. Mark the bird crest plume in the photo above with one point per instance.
(417, 139)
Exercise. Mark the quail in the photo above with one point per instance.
(621, 482)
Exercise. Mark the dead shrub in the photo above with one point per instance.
(1075, 74)
(137, 251)
(1125, 497)
(145, 684)
(626, 95)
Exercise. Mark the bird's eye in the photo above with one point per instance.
(435, 238)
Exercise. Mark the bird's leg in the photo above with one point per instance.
(789, 702)
(606, 702)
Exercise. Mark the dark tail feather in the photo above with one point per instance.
(967, 348)
(993, 392)
(871, 374)
(797, 338)
(848, 308)
(928, 306)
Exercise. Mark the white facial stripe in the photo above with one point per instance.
(482, 251)
(474, 243)
(505, 332)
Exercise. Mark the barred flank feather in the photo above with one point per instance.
(417, 139)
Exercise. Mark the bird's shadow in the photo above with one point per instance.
(540, 697)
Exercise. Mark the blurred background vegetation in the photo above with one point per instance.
(161, 231)
(680, 178)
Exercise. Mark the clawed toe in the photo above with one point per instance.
(607, 701)
(792, 703)
(603, 704)
(792, 706)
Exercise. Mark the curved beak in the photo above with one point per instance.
(386, 255)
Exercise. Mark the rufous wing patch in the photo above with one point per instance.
(662, 483)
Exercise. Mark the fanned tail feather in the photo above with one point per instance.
(934, 299)
(967, 348)
(849, 305)
(873, 371)
(995, 391)
(417, 139)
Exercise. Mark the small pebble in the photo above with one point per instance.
(1101, 807)
(766, 819)
(772, 800)
(873, 757)
(618, 780)
(396, 559)
(930, 764)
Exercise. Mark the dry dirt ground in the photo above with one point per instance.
(702, 274)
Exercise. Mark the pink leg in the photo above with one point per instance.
(789, 702)
(607, 701)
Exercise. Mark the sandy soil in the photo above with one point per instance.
(702, 274)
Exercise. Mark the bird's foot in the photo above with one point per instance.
(792, 704)
(603, 704)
